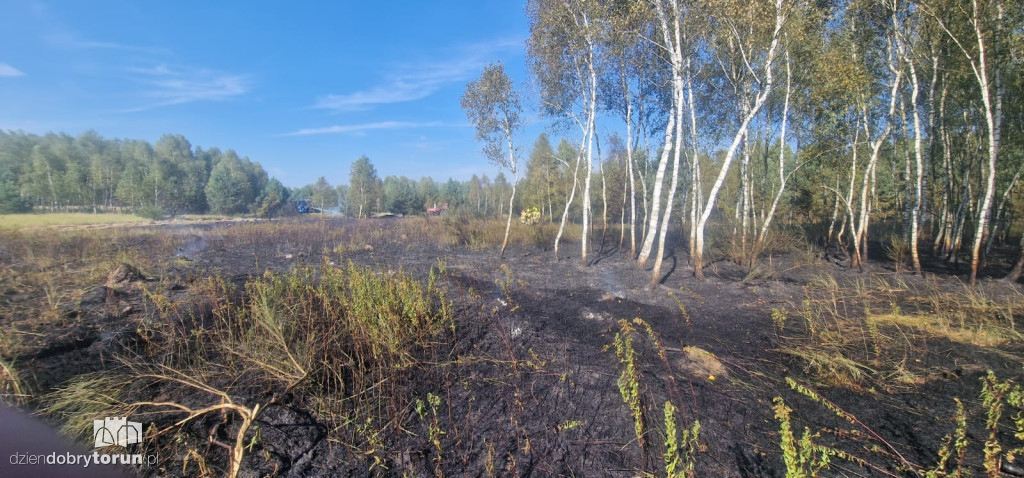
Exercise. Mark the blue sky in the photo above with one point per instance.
(304, 88)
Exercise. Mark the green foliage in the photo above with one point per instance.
(270, 201)
(629, 377)
(433, 425)
(10, 201)
(491, 103)
(803, 458)
(228, 190)
(680, 453)
(779, 318)
(61, 173)
(151, 212)
(569, 425)
(529, 216)
(324, 195)
(996, 395)
(543, 183)
(401, 196)
(897, 250)
(365, 187)
(953, 446)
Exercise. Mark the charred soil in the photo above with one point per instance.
(528, 381)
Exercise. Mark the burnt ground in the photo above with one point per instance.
(530, 384)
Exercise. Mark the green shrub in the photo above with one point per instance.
(150, 211)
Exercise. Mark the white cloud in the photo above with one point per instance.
(63, 38)
(9, 71)
(362, 128)
(397, 92)
(176, 85)
(419, 80)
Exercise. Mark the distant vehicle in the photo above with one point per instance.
(305, 206)
(437, 211)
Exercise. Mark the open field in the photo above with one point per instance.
(22, 221)
(405, 347)
(69, 221)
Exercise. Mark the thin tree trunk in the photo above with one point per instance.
(1015, 273)
(782, 156)
(604, 197)
(659, 179)
(569, 200)
(508, 222)
(942, 240)
(915, 212)
(515, 184)
(869, 181)
(992, 108)
(677, 110)
(629, 162)
(670, 37)
(696, 187)
(835, 217)
(1001, 209)
(585, 235)
(731, 153)
(622, 215)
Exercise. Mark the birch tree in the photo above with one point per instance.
(675, 39)
(631, 77)
(492, 105)
(668, 20)
(976, 42)
(757, 55)
(563, 50)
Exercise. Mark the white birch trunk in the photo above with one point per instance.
(915, 212)
(675, 54)
(677, 111)
(515, 183)
(629, 162)
(568, 202)
(731, 152)
(782, 156)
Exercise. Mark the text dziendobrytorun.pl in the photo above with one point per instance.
(83, 459)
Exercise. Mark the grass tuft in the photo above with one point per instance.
(338, 340)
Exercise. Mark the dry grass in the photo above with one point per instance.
(60, 265)
(340, 341)
(831, 366)
(789, 241)
(11, 389)
(485, 233)
(980, 335)
(897, 250)
(872, 333)
(23, 221)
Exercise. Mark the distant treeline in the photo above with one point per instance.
(89, 173)
(367, 194)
